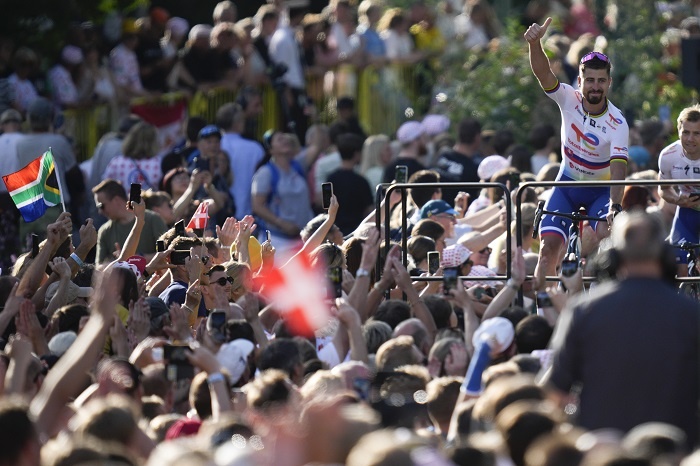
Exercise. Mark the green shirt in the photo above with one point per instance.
(114, 232)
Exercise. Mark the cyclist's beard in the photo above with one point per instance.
(594, 99)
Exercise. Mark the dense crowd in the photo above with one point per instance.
(233, 301)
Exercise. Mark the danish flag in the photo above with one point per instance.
(200, 217)
(297, 292)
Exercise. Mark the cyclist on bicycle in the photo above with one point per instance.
(681, 160)
(594, 147)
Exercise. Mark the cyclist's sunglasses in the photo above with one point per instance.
(590, 56)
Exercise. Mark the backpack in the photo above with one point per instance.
(274, 181)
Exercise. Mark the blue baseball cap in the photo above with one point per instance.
(436, 207)
(209, 130)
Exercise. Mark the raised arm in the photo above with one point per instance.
(131, 243)
(538, 59)
(56, 233)
(68, 376)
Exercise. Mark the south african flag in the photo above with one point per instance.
(35, 187)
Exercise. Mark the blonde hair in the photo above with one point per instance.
(371, 150)
(141, 142)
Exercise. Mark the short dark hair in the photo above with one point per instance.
(282, 354)
(112, 188)
(349, 145)
(532, 333)
(18, 430)
(468, 130)
(502, 140)
(540, 135)
(429, 228)
(423, 195)
(440, 309)
(393, 312)
(182, 243)
(596, 63)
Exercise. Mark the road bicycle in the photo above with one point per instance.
(572, 260)
(691, 289)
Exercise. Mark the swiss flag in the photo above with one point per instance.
(298, 291)
(200, 217)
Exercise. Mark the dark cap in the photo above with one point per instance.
(208, 131)
(157, 306)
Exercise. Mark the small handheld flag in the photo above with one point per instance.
(200, 217)
(35, 187)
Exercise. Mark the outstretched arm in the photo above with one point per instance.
(538, 59)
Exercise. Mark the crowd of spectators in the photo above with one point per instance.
(130, 338)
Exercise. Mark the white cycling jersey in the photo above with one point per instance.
(588, 142)
(674, 165)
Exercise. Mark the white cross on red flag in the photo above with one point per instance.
(298, 292)
(200, 217)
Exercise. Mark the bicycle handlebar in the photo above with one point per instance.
(574, 217)
(686, 246)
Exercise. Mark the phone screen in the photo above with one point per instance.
(401, 175)
(35, 244)
(267, 233)
(160, 245)
(335, 276)
(135, 193)
(543, 299)
(178, 257)
(180, 228)
(449, 279)
(327, 193)
(433, 261)
(569, 267)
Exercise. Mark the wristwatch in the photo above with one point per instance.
(616, 207)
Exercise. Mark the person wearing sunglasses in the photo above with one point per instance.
(594, 146)
(218, 288)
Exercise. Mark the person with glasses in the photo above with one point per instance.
(594, 146)
(218, 289)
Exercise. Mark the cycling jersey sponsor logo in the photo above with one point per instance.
(589, 140)
(620, 149)
(615, 121)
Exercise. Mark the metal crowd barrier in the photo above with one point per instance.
(380, 195)
(581, 184)
(85, 127)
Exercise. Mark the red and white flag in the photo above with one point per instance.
(298, 291)
(200, 217)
